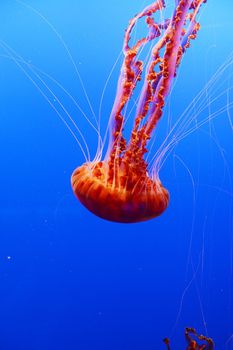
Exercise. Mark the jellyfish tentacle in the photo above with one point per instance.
(150, 83)
(19, 62)
(177, 40)
(208, 343)
(130, 74)
(155, 88)
(208, 340)
(67, 50)
(171, 56)
(181, 127)
(167, 343)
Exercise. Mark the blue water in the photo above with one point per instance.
(69, 280)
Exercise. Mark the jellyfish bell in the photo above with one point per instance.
(120, 188)
(129, 198)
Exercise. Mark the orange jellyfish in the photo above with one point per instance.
(194, 341)
(119, 188)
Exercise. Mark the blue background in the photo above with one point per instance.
(69, 280)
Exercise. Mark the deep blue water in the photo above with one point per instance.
(69, 280)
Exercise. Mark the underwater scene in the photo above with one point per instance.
(116, 205)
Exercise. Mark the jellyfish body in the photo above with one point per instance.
(127, 198)
(119, 188)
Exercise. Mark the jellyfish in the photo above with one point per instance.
(119, 187)
(194, 341)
